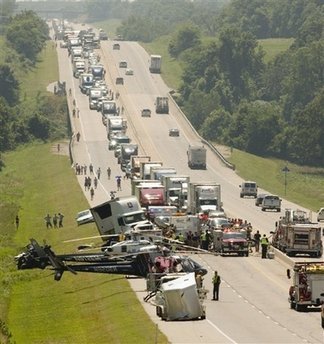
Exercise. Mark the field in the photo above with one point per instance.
(274, 46)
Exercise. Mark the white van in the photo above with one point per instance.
(320, 215)
(249, 188)
(271, 202)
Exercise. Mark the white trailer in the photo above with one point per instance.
(197, 157)
(176, 189)
(157, 172)
(155, 63)
(120, 215)
(204, 196)
(145, 168)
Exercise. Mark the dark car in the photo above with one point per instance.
(259, 199)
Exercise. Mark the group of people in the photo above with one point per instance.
(56, 221)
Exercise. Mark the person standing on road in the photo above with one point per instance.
(257, 237)
(118, 183)
(264, 246)
(91, 193)
(98, 172)
(216, 283)
(78, 135)
(108, 172)
(95, 182)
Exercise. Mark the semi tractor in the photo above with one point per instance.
(86, 81)
(296, 234)
(120, 215)
(162, 105)
(155, 63)
(157, 172)
(78, 67)
(150, 194)
(176, 189)
(135, 161)
(204, 197)
(94, 95)
(145, 168)
(116, 124)
(126, 151)
(197, 157)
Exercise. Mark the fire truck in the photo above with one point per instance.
(307, 288)
(296, 234)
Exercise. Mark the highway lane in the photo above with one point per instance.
(253, 306)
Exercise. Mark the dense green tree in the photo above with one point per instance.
(6, 134)
(306, 144)
(216, 126)
(255, 125)
(9, 85)
(187, 36)
(27, 34)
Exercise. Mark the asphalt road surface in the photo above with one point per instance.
(253, 305)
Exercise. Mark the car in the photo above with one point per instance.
(129, 71)
(122, 64)
(146, 113)
(84, 217)
(116, 46)
(174, 132)
(259, 199)
(218, 223)
(119, 81)
(216, 213)
(320, 215)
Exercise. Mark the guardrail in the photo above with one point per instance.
(211, 146)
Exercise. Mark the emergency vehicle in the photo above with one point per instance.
(296, 234)
(308, 285)
(231, 240)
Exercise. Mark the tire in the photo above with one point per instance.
(278, 210)
(292, 305)
(300, 308)
(241, 195)
(263, 209)
(322, 320)
(247, 254)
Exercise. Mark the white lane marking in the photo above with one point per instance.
(220, 331)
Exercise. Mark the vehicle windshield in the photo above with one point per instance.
(234, 235)
(136, 217)
(208, 202)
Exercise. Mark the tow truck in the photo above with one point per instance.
(307, 289)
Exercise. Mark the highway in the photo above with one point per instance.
(253, 306)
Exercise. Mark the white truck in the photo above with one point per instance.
(135, 161)
(120, 215)
(197, 157)
(296, 234)
(176, 189)
(157, 172)
(204, 196)
(155, 63)
(86, 81)
(115, 124)
(78, 67)
(307, 287)
(94, 95)
(145, 168)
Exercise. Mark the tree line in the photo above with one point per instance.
(23, 120)
(229, 93)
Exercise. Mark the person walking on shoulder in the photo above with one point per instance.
(216, 283)
(257, 237)
(60, 218)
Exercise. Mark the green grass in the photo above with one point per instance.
(274, 46)
(109, 26)
(35, 81)
(305, 185)
(87, 308)
(171, 68)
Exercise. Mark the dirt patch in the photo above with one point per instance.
(61, 148)
(224, 150)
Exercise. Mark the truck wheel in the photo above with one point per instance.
(278, 210)
(263, 209)
(300, 308)
(247, 254)
(241, 195)
(322, 321)
(292, 305)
